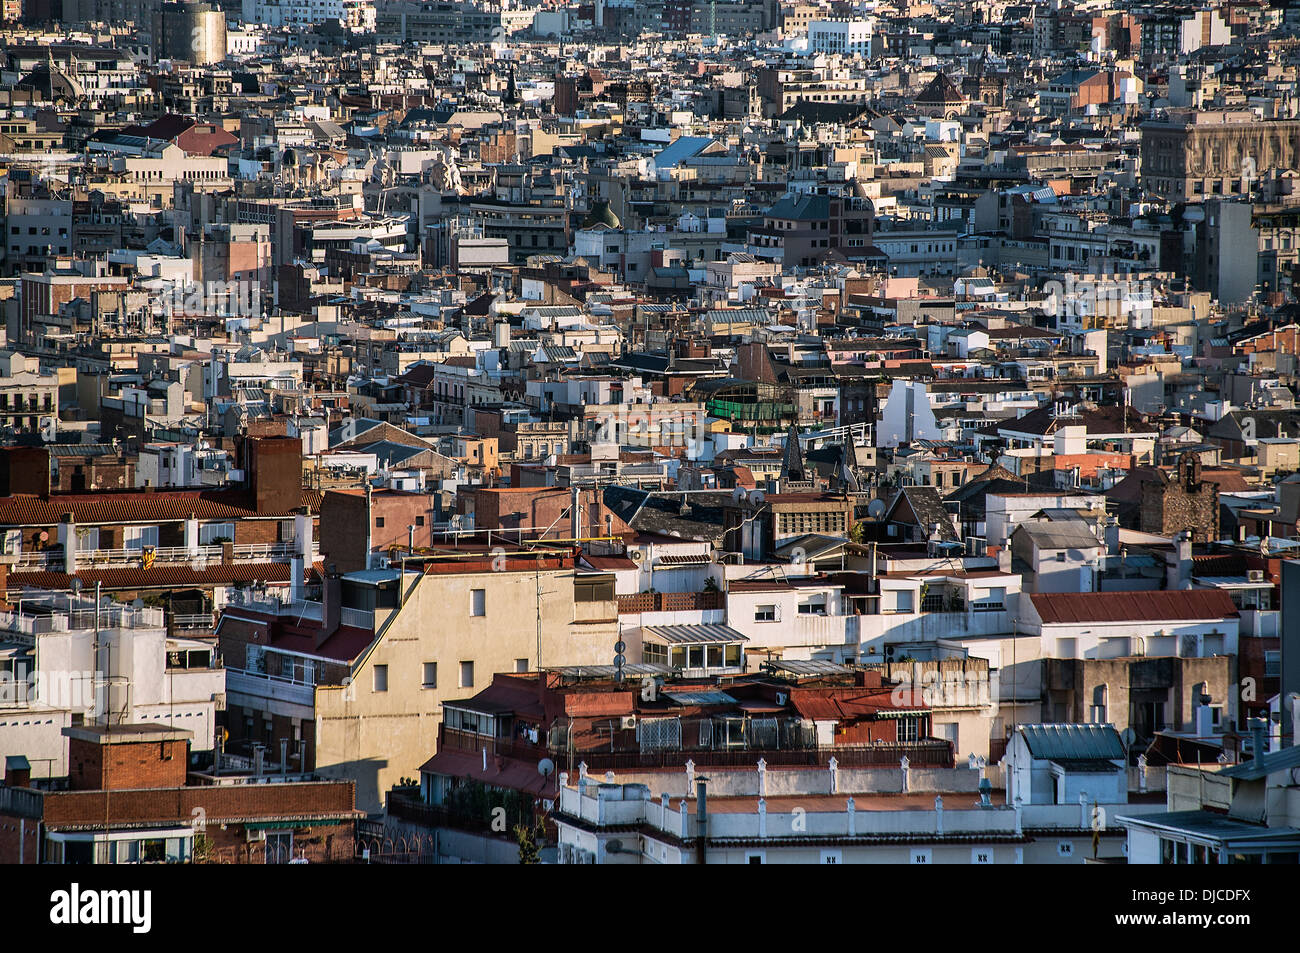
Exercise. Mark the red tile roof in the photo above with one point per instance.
(1165, 606)
(137, 506)
(130, 577)
(501, 772)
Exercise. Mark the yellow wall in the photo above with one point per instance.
(377, 738)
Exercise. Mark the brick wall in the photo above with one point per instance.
(235, 803)
(114, 767)
(14, 830)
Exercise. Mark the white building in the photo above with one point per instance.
(59, 668)
(828, 819)
(849, 37)
(355, 15)
(907, 416)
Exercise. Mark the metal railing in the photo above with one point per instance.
(199, 556)
(196, 620)
(930, 754)
(357, 618)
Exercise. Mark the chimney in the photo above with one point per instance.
(1204, 718)
(331, 604)
(274, 474)
(701, 818)
(1257, 738)
(1185, 559)
(25, 470)
(1004, 559)
(18, 772)
(1112, 537)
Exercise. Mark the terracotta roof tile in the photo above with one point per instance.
(136, 506)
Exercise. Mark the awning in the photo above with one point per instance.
(692, 635)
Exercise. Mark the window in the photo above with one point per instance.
(754, 858)
(419, 521)
(466, 674)
(814, 606)
(478, 602)
(210, 533)
(981, 855)
(765, 614)
(1097, 713)
(600, 589)
(430, 678)
(381, 678)
(279, 847)
(832, 857)
(379, 522)
(909, 728)
(1272, 664)
(521, 665)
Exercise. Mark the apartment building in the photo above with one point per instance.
(358, 683)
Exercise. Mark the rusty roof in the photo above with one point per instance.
(1162, 606)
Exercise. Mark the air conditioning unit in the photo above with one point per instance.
(628, 721)
(254, 836)
(782, 698)
(1255, 575)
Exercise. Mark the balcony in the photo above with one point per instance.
(197, 557)
(357, 618)
(670, 602)
(274, 688)
(455, 739)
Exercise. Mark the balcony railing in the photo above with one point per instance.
(670, 602)
(198, 557)
(261, 685)
(930, 754)
(454, 739)
(357, 618)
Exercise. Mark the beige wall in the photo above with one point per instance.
(376, 738)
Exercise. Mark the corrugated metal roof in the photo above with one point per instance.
(806, 667)
(1161, 606)
(1073, 742)
(1060, 534)
(608, 671)
(693, 634)
(1273, 761)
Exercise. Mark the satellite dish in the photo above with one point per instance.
(1129, 737)
(738, 494)
(876, 509)
(756, 498)
(546, 767)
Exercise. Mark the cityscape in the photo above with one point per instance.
(670, 432)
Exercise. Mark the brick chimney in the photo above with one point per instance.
(274, 474)
(18, 771)
(331, 604)
(25, 470)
